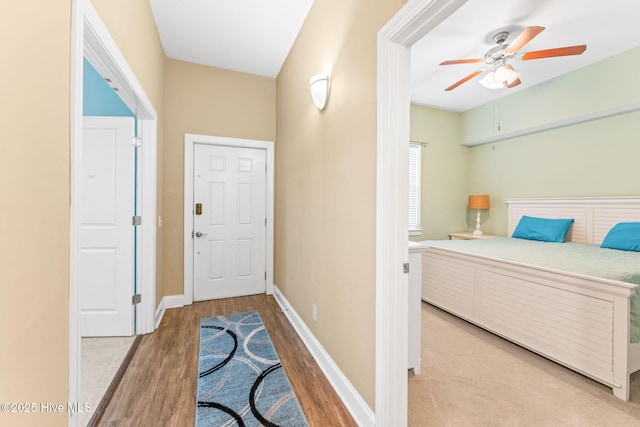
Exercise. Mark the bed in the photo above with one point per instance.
(577, 315)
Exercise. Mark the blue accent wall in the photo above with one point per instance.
(99, 99)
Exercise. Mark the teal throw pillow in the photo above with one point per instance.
(624, 236)
(542, 229)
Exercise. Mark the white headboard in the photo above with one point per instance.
(594, 216)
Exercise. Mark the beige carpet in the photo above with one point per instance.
(471, 377)
(101, 359)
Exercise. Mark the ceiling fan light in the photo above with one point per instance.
(500, 75)
(505, 75)
(489, 81)
(512, 76)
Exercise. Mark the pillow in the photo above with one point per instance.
(542, 229)
(624, 236)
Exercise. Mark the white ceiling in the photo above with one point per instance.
(255, 36)
(607, 27)
(249, 36)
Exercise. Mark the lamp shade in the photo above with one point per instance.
(479, 201)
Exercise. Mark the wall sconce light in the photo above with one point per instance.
(478, 202)
(319, 86)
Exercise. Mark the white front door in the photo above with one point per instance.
(106, 232)
(229, 193)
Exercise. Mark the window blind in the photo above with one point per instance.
(414, 187)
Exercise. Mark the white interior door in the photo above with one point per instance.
(229, 186)
(106, 233)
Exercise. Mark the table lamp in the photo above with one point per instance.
(478, 201)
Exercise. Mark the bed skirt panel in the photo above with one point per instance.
(570, 328)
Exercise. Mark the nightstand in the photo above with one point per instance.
(469, 236)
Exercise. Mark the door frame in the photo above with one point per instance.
(90, 38)
(189, 144)
(415, 19)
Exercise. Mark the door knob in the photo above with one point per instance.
(199, 234)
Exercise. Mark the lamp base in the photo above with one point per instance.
(477, 231)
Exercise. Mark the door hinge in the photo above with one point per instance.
(265, 275)
(405, 268)
(136, 141)
(265, 222)
(136, 220)
(136, 299)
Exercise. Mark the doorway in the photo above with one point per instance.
(107, 253)
(395, 39)
(227, 145)
(91, 39)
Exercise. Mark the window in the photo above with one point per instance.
(414, 189)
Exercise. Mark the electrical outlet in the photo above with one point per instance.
(314, 312)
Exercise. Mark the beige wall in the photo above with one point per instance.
(34, 206)
(189, 98)
(206, 101)
(325, 182)
(131, 24)
(34, 167)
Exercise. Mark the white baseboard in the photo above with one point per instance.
(169, 301)
(360, 411)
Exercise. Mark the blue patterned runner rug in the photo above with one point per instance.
(241, 381)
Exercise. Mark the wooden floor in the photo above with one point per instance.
(159, 385)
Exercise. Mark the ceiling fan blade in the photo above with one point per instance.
(514, 83)
(459, 82)
(523, 38)
(462, 61)
(559, 51)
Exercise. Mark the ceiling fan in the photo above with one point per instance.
(502, 73)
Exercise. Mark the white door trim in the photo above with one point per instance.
(411, 23)
(189, 141)
(90, 37)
